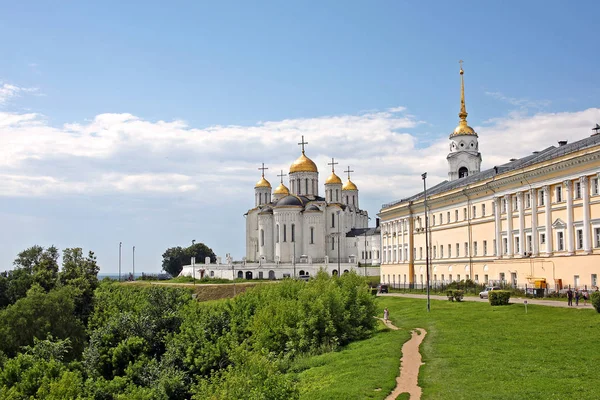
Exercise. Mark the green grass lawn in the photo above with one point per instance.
(472, 351)
(362, 370)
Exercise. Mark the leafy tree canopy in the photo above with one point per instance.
(175, 258)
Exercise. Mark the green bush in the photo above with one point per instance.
(455, 295)
(459, 294)
(596, 300)
(499, 297)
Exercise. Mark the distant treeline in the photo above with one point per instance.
(156, 342)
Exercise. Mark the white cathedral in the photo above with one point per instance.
(297, 226)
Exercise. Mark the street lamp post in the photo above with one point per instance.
(133, 265)
(338, 246)
(424, 176)
(120, 244)
(294, 257)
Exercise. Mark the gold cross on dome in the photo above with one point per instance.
(281, 175)
(263, 169)
(333, 164)
(348, 172)
(302, 143)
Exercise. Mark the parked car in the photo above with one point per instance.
(382, 288)
(484, 294)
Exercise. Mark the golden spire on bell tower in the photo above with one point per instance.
(462, 128)
(463, 109)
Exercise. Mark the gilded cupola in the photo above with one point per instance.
(303, 164)
(263, 183)
(333, 178)
(349, 186)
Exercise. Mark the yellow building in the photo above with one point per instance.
(534, 218)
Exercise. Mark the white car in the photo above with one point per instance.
(484, 294)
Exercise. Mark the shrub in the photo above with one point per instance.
(596, 300)
(458, 295)
(455, 295)
(499, 297)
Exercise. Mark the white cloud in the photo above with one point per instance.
(122, 153)
(8, 91)
(523, 103)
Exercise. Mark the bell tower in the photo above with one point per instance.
(464, 158)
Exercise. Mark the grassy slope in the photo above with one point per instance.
(355, 372)
(474, 350)
(471, 351)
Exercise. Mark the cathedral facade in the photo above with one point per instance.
(532, 221)
(297, 225)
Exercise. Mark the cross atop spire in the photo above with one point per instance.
(263, 169)
(333, 164)
(348, 172)
(302, 143)
(281, 175)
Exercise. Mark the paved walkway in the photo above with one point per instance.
(513, 300)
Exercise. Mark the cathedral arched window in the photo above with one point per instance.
(352, 200)
(463, 172)
(293, 232)
(333, 220)
(277, 235)
(284, 233)
(260, 198)
(306, 184)
(262, 237)
(312, 235)
(337, 192)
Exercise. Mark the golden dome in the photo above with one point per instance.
(463, 129)
(303, 164)
(333, 178)
(281, 189)
(263, 183)
(349, 186)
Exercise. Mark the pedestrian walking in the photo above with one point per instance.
(570, 297)
(577, 295)
(386, 315)
(585, 296)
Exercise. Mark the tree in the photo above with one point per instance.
(175, 258)
(33, 265)
(37, 315)
(81, 273)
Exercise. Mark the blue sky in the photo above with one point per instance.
(145, 122)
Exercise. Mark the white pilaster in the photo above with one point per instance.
(548, 206)
(521, 208)
(570, 236)
(403, 228)
(585, 192)
(498, 223)
(534, 223)
(509, 226)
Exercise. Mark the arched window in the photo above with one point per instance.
(277, 235)
(299, 191)
(337, 192)
(306, 184)
(262, 237)
(312, 235)
(353, 200)
(293, 232)
(333, 220)
(463, 172)
(284, 233)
